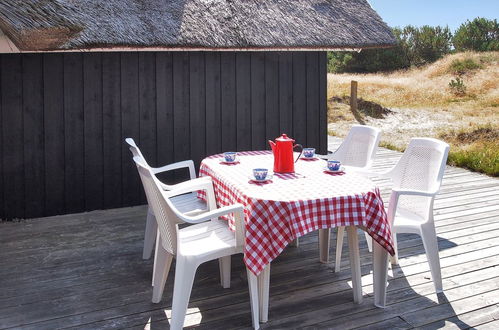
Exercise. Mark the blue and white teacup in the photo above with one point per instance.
(333, 165)
(309, 152)
(260, 174)
(230, 156)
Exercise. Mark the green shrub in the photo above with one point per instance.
(415, 46)
(427, 43)
(338, 61)
(461, 67)
(480, 34)
(418, 46)
(457, 87)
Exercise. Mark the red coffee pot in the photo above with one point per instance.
(283, 154)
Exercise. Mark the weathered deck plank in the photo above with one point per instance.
(470, 319)
(85, 271)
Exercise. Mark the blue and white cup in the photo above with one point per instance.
(230, 156)
(260, 174)
(309, 152)
(333, 165)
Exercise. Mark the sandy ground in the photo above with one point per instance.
(399, 126)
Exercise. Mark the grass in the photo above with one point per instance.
(388, 145)
(476, 149)
(428, 86)
(478, 157)
(424, 104)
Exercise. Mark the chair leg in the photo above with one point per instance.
(156, 253)
(369, 241)
(184, 278)
(224, 265)
(339, 248)
(162, 263)
(324, 239)
(353, 252)
(395, 259)
(380, 274)
(150, 234)
(430, 243)
(254, 301)
(263, 287)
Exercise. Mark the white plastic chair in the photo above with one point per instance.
(187, 202)
(416, 181)
(184, 203)
(359, 148)
(357, 153)
(208, 238)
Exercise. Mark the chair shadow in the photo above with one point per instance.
(399, 289)
(207, 300)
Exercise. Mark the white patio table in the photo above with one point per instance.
(291, 205)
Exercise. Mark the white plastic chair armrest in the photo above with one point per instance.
(169, 187)
(213, 214)
(186, 163)
(189, 186)
(413, 192)
(238, 211)
(396, 193)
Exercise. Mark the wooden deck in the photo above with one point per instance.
(85, 271)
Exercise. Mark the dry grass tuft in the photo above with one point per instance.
(485, 133)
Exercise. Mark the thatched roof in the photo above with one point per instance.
(210, 24)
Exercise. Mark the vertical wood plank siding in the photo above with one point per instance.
(34, 159)
(64, 118)
(93, 132)
(14, 197)
(53, 118)
(74, 144)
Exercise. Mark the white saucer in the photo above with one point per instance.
(309, 158)
(341, 169)
(223, 161)
(268, 178)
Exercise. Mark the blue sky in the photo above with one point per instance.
(434, 12)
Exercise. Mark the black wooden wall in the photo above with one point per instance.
(64, 117)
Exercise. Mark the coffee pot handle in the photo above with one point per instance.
(301, 150)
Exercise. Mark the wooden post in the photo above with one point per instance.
(353, 102)
(353, 97)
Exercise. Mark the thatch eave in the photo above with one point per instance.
(119, 48)
(64, 25)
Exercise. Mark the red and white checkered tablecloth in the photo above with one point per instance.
(292, 205)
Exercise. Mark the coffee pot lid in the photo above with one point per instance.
(284, 138)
